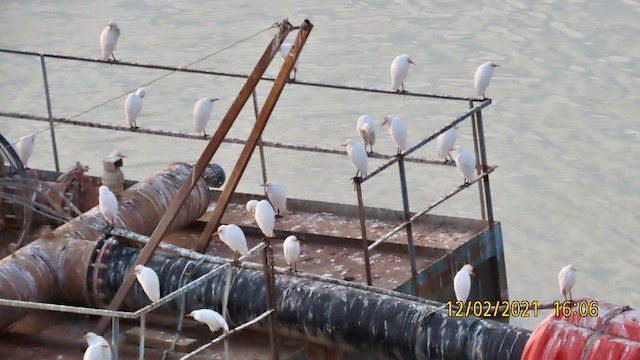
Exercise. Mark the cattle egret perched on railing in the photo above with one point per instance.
(210, 318)
(366, 128)
(462, 283)
(265, 217)
(108, 205)
(284, 50)
(93, 338)
(566, 280)
(358, 155)
(399, 70)
(234, 237)
(132, 107)
(277, 197)
(291, 247)
(465, 162)
(98, 351)
(251, 208)
(482, 78)
(397, 131)
(108, 40)
(446, 142)
(148, 279)
(202, 113)
(24, 148)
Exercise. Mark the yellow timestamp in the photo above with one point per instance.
(582, 308)
(487, 308)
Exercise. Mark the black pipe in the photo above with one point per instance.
(364, 321)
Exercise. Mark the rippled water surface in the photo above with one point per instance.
(563, 127)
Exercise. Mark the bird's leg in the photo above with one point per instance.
(570, 297)
(236, 259)
(449, 159)
(403, 90)
(278, 215)
(114, 57)
(295, 73)
(295, 267)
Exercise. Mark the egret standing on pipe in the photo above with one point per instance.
(366, 128)
(446, 142)
(202, 113)
(284, 50)
(132, 107)
(93, 338)
(108, 205)
(149, 281)
(462, 283)
(397, 131)
(98, 351)
(482, 78)
(291, 247)
(210, 318)
(265, 217)
(234, 237)
(108, 40)
(358, 155)
(277, 197)
(566, 280)
(399, 70)
(24, 148)
(465, 162)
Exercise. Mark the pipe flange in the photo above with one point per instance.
(97, 265)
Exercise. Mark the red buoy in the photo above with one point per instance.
(592, 330)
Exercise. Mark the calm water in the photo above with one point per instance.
(563, 127)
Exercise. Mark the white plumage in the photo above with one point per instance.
(482, 78)
(98, 351)
(108, 205)
(399, 69)
(462, 283)
(366, 128)
(149, 281)
(397, 131)
(566, 280)
(24, 148)
(108, 39)
(265, 217)
(358, 155)
(291, 247)
(202, 114)
(277, 196)
(465, 162)
(251, 208)
(234, 237)
(210, 318)
(284, 50)
(133, 105)
(93, 338)
(446, 142)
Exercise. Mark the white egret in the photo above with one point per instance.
(465, 162)
(5, 151)
(149, 281)
(446, 142)
(108, 40)
(108, 205)
(93, 338)
(234, 237)
(366, 128)
(202, 113)
(133, 105)
(462, 283)
(24, 148)
(291, 247)
(482, 78)
(399, 70)
(284, 50)
(265, 217)
(210, 318)
(251, 208)
(397, 131)
(358, 155)
(277, 197)
(98, 351)
(566, 280)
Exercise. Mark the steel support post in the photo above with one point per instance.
(363, 229)
(51, 129)
(483, 212)
(407, 217)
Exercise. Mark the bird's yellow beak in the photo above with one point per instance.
(384, 122)
(123, 155)
(214, 234)
(214, 99)
(411, 62)
(344, 145)
(472, 273)
(495, 65)
(574, 269)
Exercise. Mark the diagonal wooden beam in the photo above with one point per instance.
(254, 136)
(226, 123)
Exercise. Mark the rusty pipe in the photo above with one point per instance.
(55, 265)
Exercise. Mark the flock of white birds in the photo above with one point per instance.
(264, 212)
